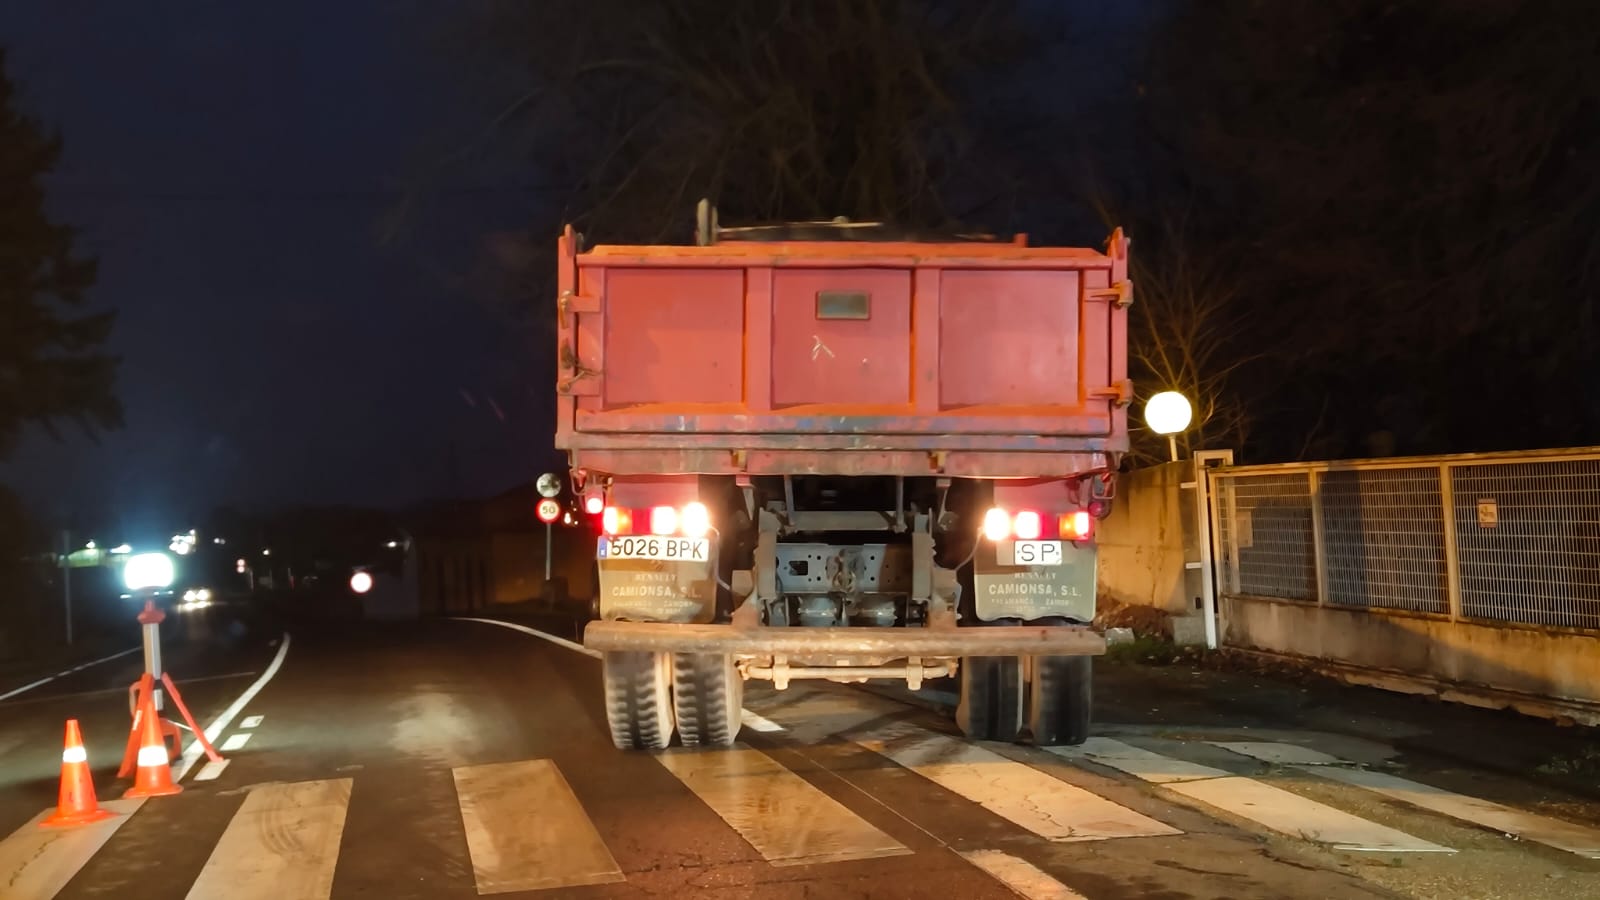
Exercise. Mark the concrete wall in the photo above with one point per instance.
(1549, 664)
(1143, 542)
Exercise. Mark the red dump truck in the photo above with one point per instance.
(836, 451)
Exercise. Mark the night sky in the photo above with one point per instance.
(235, 170)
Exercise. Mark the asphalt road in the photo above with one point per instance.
(449, 759)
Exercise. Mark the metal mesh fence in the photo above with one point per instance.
(1526, 549)
(1268, 546)
(1528, 539)
(1383, 539)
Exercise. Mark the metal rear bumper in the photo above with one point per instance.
(845, 642)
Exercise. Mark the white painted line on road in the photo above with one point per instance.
(1279, 753)
(787, 819)
(1300, 817)
(1021, 876)
(235, 741)
(1044, 805)
(758, 723)
(283, 842)
(36, 863)
(211, 770)
(251, 721)
(559, 642)
(1504, 819)
(1137, 761)
(56, 698)
(49, 678)
(192, 753)
(569, 645)
(527, 831)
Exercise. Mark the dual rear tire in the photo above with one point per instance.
(1057, 691)
(651, 695)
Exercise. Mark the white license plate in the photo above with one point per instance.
(670, 549)
(1036, 553)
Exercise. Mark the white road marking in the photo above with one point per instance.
(251, 721)
(527, 831)
(1504, 819)
(49, 678)
(1040, 803)
(36, 863)
(1279, 753)
(235, 741)
(559, 642)
(211, 770)
(758, 723)
(1249, 799)
(283, 842)
(1137, 761)
(192, 753)
(1300, 817)
(788, 820)
(1021, 876)
(750, 719)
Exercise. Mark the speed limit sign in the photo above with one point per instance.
(549, 510)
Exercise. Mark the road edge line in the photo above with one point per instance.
(526, 629)
(64, 673)
(215, 729)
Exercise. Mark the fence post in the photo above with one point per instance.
(1319, 556)
(1452, 560)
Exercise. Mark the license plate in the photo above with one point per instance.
(671, 549)
(1036, 553)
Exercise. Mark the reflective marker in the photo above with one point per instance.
(74, 755)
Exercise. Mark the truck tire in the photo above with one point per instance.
(1060, 700)
(639, 699)
(990, 708)
(707, 698)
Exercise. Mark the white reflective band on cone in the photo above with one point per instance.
(74, 755)
(153, 756)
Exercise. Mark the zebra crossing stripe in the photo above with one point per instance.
(526, 830)
(1263, 804)
(784, 817)
(1047, 806)
(1529, 826)
(283, 842)
(36, 863)
(1022, 877)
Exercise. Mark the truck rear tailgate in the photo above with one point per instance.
(718, 356)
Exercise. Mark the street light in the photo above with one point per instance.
(1168, 413)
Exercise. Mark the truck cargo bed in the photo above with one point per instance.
(966, 359)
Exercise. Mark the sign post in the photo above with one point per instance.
(548, 510)
(549, 487)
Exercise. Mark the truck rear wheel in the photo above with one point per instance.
(707, 697)
(639, 699)
(1059, 700)
(990, 708)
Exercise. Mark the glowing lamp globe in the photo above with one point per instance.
(361, 582)
(1168, 413)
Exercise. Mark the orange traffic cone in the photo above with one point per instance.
(77, 804)
(154, 778)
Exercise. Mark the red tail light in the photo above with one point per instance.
(594, 504)
(1076, 526)
(616, 520)
(1028, 526)
(996, 524)
(663, 520)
